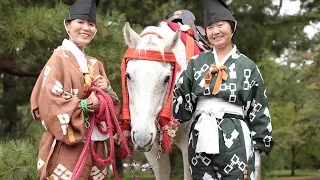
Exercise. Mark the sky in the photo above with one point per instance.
(291, 8)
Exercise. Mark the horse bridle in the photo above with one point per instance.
(165, 119)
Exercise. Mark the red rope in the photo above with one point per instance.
(106, 114)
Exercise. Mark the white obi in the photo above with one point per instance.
(209, 110)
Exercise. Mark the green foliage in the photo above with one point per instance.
(109, 46)
(16, 160)
(31, 29)
(294, 116)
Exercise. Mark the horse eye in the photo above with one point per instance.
(128, 76)
(166, 79)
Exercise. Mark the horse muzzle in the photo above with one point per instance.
(142, 141)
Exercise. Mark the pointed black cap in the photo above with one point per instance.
(216, 10)
(83, 9)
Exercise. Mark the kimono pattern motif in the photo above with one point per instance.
(55, 103)
(244, 87)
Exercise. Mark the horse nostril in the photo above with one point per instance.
(150, 141)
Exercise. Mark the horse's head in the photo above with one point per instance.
(148, 81)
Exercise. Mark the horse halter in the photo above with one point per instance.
(166, 122)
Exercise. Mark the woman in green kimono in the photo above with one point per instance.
(59, 101)
(222, 91)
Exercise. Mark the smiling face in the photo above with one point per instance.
(219, 34)
(81, 32)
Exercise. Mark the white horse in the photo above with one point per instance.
(147, 84)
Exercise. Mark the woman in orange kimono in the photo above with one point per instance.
(59, 100)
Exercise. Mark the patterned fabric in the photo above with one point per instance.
(55, 102)
(242, 86)
(231, 163)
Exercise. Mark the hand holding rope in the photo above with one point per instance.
(106, 114)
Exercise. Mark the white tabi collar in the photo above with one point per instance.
(233, 51)
(78, 54)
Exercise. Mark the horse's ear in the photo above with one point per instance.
(130, 36)
(173, 42)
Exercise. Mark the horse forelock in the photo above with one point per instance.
(150, 41)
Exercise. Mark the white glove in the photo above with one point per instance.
(257, 162)
(257, 165)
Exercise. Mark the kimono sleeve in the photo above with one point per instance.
(110, 91)
(183, 98)
(257, 113)
(54, 102)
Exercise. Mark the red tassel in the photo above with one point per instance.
(126, 128)
(123, 154)
(166, 142)
(167, 137)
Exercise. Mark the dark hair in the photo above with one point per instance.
(68, 21)
(233, 26)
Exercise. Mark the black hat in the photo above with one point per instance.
(83, 9)
(216, 10)
(183, 16)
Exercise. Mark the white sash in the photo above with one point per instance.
(209, 110)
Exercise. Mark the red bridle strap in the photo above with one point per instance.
(152, 33)
(142, 55)
(165, 114)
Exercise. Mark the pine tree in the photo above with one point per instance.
(30, 32)
(17, 160)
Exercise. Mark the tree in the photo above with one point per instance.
(16, 156)
(261, 29)
(27, 49)
(294, 116)
(23, 54)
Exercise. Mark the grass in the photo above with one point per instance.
(299, 175)
(274, 175)
(146, 175)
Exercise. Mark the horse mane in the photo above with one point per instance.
(155, 38)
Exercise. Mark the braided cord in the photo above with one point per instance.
(84, 107)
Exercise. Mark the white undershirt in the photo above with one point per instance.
(218, 63)
(78, 54)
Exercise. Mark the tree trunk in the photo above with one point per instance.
(293, 160)
(8, 101)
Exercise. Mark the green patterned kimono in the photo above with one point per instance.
(243, 87)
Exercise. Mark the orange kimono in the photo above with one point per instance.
(55, 102)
